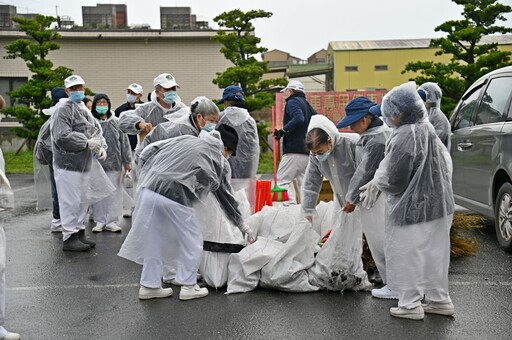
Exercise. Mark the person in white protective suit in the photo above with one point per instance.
(4, 204)
(76, 139)
(164, 101)
(245, 164)
(431, 94)
(176, 174)
(332, 155)
(44, 156)
(361, 118)
(416, 178)
(202, 115)
(118, 162)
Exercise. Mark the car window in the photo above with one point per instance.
(494, 101)
(466, 109)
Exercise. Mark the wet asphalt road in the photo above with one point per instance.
(56, 295)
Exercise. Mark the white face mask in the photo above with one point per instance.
(324, 156)
(130, 98)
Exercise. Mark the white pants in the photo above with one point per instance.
(108, 209)
(165, 235)
(417, 261)
(69, 190)
(292, 167)
(373, 222)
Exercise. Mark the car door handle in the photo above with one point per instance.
(464, 146)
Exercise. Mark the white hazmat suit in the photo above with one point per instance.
(436, 117)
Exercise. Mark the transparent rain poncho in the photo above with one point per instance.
(435, 115)
(186, 168)
(119, 152)
(150, 112)
(72, 125)
(245, 163)
(338, 168)
(178, 124)
(43, 157)
(416, 172)
(369, 153)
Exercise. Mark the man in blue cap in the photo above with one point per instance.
(362, 117)
(297, 115)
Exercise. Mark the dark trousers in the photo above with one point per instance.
(55, 198)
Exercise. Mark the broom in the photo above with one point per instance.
(278, 194)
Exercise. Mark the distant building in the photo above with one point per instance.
(378, 64)
(180, 18)
(7, 12)
(104, 16)
(319, 57)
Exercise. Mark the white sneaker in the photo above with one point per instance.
(146, 293)
(113, 227)
(447, 309)
(192, 292)
(56, 229)
(127, 213)
(172, 282)
(98, 228)
(11, 336)
(416, 313)
(385, 293)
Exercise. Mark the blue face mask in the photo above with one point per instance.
(102, 110)
(323, 157)
(170, 97)
(130, 98)
(209, 126)
(76, 96)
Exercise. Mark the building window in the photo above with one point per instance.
(381, 67)
(351, 68)
(9, 84)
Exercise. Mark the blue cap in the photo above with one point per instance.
(375, 110)
(355, 111)
(57, 94)
(232, 92)
(423, 95)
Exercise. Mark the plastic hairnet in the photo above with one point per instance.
(245, 163)
(403, 101)
(433, 93)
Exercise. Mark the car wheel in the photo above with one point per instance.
(503, 215)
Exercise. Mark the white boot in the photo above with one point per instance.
(192, 292)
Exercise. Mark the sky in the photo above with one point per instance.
(299, 27)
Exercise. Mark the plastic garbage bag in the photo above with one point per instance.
(287, 270)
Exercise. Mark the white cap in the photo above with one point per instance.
(166, 80)
(135, 88)
(73, 80)
(294, 85)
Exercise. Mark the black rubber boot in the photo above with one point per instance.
(83, 239)
(74, 244)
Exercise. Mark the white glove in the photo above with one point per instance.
(94, 144)
(246, 230)
(101, 154)
(369, 194)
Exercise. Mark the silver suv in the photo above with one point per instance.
(481, 149)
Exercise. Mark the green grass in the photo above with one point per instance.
(266, 165)
(21, 163)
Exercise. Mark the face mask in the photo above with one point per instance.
(76, 96)
(323, 156)
(102, 110)
(209, 126)
(170, 97)
(130, 98)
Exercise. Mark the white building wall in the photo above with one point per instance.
(110, 65)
